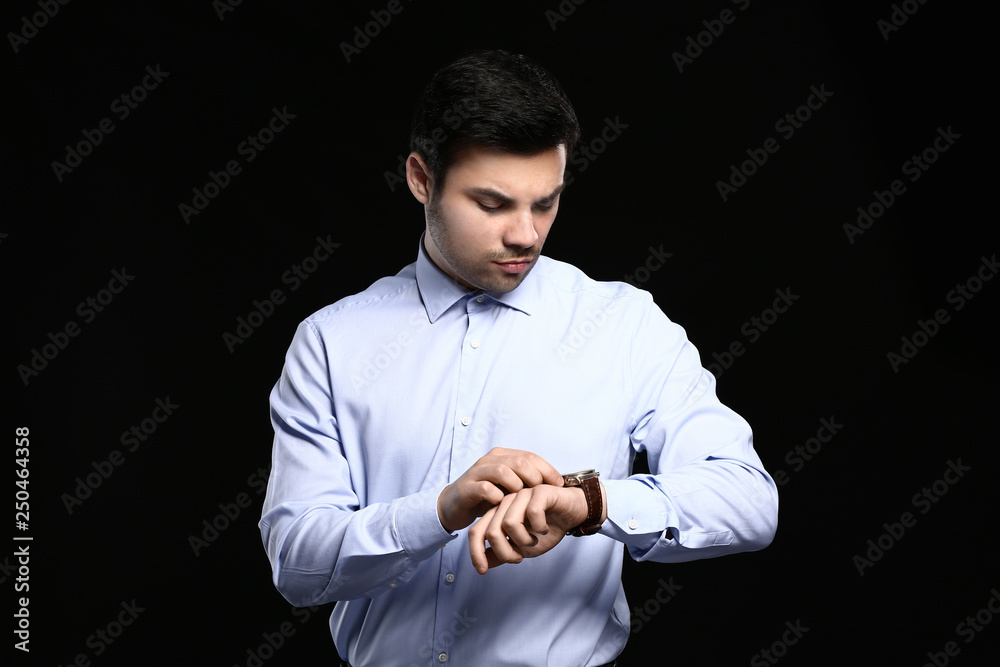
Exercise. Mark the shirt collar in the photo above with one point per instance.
(440, 292)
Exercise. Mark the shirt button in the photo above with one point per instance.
(474, 343)
(442, 657)
(479, 299)
(633, 524)
(466, 421)
(449, 577)
(392, 585)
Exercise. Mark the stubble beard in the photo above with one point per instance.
(479, 279)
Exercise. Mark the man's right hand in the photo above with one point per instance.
(479, 488)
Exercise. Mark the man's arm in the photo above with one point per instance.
(708, 494)
(323, 546)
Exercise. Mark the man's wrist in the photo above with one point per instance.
(444, 520)
(595, 498)
(418, 525)
(580, 509)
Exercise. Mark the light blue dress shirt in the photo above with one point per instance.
(388, 395)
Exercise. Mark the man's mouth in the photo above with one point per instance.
(515, 265)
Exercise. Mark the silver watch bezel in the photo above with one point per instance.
(577, 478)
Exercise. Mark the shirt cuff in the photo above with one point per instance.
(635, 516)
(419, 527)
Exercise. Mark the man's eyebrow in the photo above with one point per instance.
(555, 193)
(504, 199)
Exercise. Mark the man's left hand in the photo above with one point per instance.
(526, 524)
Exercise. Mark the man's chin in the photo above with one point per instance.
(504, 282)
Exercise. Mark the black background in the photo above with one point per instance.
(324, 176)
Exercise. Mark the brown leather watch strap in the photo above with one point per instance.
(595, 508)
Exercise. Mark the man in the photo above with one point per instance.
(438, 410)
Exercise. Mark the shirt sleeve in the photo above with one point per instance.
(321, 544)
(707, 494)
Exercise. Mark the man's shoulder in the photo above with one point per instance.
(385, 292)
(559, 276)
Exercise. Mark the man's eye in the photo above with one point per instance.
(545, 207)
(489, 209)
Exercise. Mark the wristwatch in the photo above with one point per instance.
(588, 481)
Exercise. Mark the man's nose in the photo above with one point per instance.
(521, 231)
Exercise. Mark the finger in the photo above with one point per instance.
(491, 560)
(500, 474)
(514, 521)
(531, 468)
(536, 511)
(549, 474)
(477, 542)
(535, 470)
(497, 535)
(488, 493)
(524, 465)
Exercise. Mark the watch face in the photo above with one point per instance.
(576, 478)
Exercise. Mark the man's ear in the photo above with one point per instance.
(418, 177)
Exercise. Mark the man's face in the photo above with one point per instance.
(486, 227)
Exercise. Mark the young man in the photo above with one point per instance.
(438, 410)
